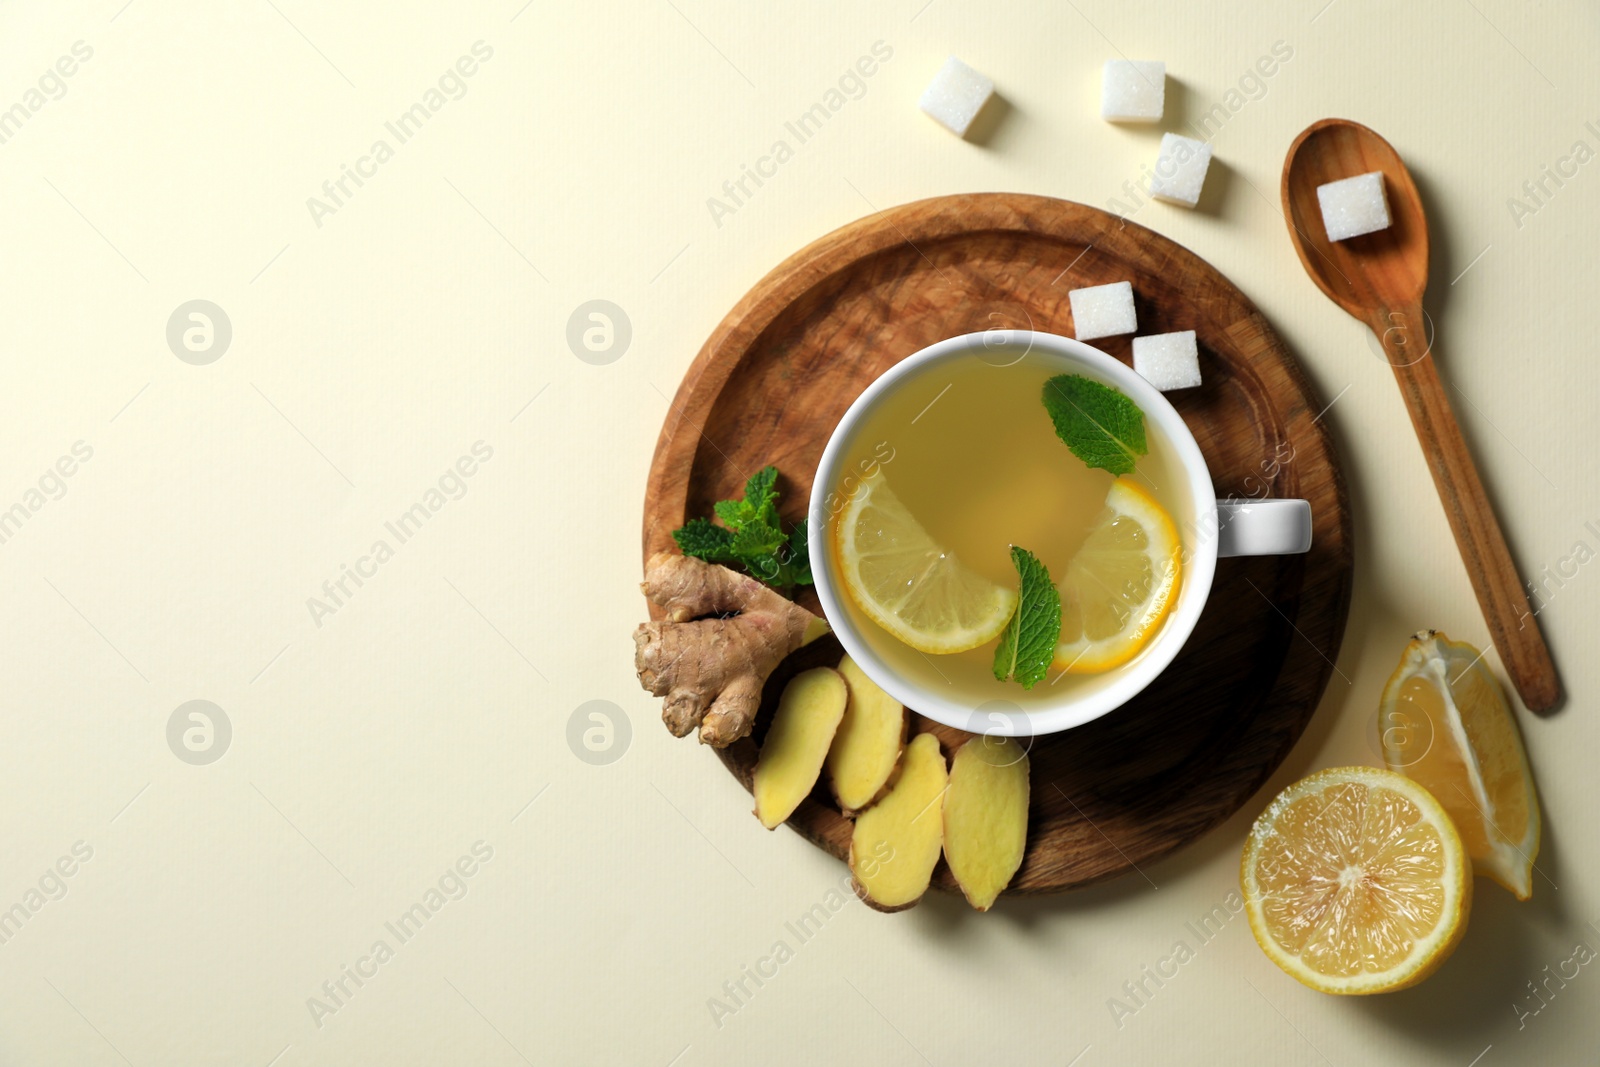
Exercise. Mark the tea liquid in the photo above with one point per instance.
(968, 447)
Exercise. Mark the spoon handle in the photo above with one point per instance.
(1513, 624)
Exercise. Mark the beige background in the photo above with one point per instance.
(429, 313)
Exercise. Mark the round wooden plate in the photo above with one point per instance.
(775, 376)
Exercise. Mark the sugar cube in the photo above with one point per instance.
(1354, 206)
(1133, 90)
(1103, 310)
(1168, 360)
(956, 95)
(1180, 170)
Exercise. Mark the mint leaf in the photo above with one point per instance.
(788, 564)
(733, 513)
(754, 540)
(1103, 427)
(751, 535)
(761, 496)
(700, 538)
(800, 554)
(1029, 641)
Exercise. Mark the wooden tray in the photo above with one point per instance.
(775, 376)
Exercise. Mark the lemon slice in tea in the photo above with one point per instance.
(909, 584)
(1121, 584)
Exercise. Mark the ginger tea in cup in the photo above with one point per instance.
(962, 461)
(1014, 533)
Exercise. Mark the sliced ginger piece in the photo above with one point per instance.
(867, 746)
(797, 742)
(986, 816)
(896, 842)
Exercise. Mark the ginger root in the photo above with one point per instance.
(797, 742)
(986, 816)
(722, 634)
(867, 747)
(895, 843)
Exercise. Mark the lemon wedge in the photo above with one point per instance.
(1444, 722)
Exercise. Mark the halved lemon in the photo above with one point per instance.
(1444, 722)
(1355, 881)
(1121, 584)
(910, 585)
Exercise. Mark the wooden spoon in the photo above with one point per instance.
(1379, 278)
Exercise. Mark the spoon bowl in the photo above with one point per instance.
(1373, 274)
(1380, 278)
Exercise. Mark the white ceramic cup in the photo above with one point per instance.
(1218, 529)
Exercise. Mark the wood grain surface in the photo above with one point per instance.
(1380, 279)
(774, 377)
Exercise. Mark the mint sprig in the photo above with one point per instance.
(1097, 422)
(1029, 641)
(751, 536)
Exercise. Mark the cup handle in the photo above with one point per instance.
(1263, 527)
